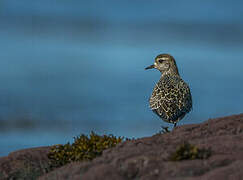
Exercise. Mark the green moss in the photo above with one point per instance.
(188, 151)
(84, 148)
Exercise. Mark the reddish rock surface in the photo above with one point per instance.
(25, 164)
(147, 158)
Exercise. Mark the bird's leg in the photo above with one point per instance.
(174, 125)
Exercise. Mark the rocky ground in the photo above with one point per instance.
(146, 158)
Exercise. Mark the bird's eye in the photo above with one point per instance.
(161, 60)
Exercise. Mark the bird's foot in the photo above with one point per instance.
(164, 129)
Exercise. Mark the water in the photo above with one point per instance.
(67, 68)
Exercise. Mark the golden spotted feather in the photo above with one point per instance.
(171, 98)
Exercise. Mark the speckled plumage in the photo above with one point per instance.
(171, 98)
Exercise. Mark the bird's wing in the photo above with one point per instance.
(184, 97)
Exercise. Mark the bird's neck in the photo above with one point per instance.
(170, 72)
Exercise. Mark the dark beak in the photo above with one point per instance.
(150, 67)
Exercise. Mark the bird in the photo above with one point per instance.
(171, 98)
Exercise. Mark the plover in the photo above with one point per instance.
(171, 98)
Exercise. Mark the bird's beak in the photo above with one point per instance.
(150, 67)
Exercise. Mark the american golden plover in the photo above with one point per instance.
(171, 98)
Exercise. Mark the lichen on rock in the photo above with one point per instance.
(187, 151)
(84, 148)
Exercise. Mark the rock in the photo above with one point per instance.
(25, 164)
(148, 158)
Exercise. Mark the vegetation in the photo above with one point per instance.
(188, 151)
(84, 148)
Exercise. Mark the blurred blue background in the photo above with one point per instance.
(69, 67)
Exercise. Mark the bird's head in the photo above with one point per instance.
(165, 63)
